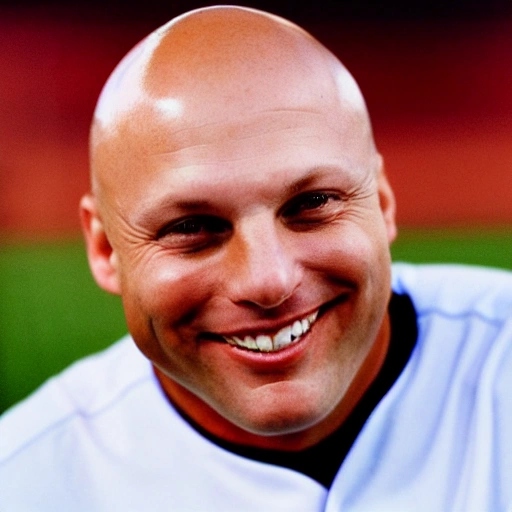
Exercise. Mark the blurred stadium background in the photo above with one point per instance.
(438, 83)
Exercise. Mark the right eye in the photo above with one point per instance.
(313, 208)
(192, 234)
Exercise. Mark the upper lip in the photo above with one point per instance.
(268, 328)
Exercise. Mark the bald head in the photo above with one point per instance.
(216, 65)
(236, 186)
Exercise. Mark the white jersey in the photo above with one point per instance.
(102, 437)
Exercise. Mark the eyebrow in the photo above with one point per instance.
(155, 210)
(154, 213)
(312, 175)
(315, 174)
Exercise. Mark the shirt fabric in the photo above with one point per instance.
(102, 436)
(323, 460)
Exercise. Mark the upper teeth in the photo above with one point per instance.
(283, 338)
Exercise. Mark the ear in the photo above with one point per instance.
(102, 257)
(387, 202)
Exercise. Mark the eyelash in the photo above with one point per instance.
(310, 204)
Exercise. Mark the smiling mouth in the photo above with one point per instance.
(283, 338)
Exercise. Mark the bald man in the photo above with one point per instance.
(240, 208)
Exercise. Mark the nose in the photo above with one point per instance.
(263, 270)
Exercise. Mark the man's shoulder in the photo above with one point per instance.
(456, 290)
(83, 390)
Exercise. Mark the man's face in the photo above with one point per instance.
(233, 234)
(249, 226)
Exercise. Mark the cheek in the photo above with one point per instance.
(162, 293)
(348, 252)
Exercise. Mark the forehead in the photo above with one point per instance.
(264, 151)
(272, 133)
(230, 124)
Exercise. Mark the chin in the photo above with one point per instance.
(280, 425)
(278, 416)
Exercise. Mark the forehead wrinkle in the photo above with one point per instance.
(236, 122)
(203, 145)
(206, 162)
(241, 126)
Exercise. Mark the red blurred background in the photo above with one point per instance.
(438, 86)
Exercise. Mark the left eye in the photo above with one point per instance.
(307, 207)
(192, 234)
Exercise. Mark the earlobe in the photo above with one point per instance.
(102, 257)
(387, 204)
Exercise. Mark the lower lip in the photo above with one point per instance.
(271, 361)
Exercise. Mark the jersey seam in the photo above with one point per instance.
(77, 412)
(460, 315)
